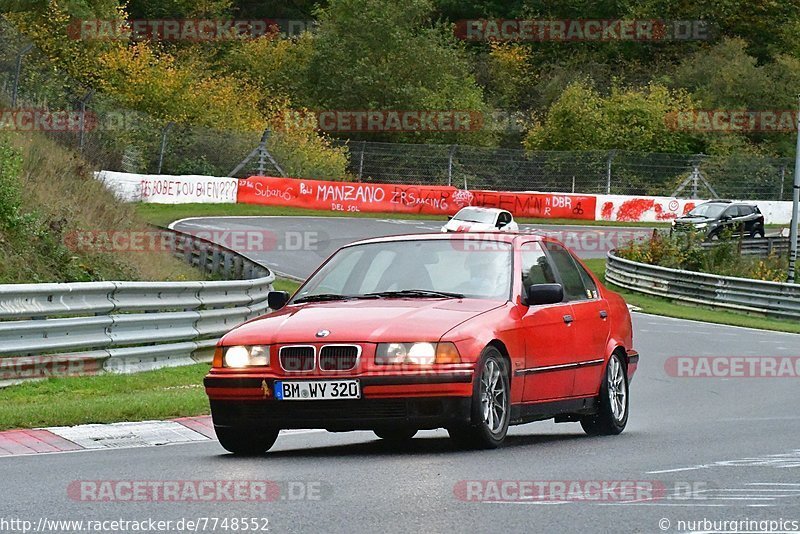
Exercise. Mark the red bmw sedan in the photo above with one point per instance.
(468, 332)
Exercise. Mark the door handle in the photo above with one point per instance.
(568, 319)
(603, 314)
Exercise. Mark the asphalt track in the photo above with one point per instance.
(295, 246)
(717, 449)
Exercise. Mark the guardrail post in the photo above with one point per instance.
(216, 259)
(227, 269)
(203, 258)
(188, 250)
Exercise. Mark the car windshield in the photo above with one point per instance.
(435, 268)
(475, 215)
(708, 210)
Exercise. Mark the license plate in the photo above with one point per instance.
(317, 389)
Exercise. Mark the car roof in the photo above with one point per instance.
(503, 237)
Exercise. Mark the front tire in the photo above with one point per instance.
(246, 442)
(491, 405)
(612, 417)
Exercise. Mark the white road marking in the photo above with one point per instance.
(777, 461)
(678, 470)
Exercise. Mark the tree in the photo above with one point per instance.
(627, 119)
(386, 55)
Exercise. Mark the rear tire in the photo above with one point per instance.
(757, 233)
(612, 417)
(246, 442)
(491, 405)
(395, 434)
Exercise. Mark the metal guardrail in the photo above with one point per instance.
(772, 299)
(763, 247)
(82, 328)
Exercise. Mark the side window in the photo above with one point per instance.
(535, 266)
(588, 282)
(571, 276)
(744, 211)
(731, 212)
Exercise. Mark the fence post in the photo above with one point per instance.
(262, 152)
(793, 230)
(450, 166)
(361, 160)
(164, 133)
(783, 179)
(82, 140)
(25, 49)
(611, 155)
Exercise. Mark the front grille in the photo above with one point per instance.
(339, 357)
(297, 358)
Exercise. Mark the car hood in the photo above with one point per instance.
(360, 320)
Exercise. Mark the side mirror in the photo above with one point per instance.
(543, 294)
(277, 299)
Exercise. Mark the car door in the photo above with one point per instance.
(590, 326)
(729, 220)
(549, 372)
(746, 218)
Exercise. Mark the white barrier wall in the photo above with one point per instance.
(624, 208)
(166, 189)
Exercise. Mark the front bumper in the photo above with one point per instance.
(419, 401)
(343, 415)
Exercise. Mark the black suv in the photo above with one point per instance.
(717, 216)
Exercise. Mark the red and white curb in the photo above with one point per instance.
(111, 436)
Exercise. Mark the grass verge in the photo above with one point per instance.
(660, 306)
(161, 394)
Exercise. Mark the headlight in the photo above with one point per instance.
(419, 353)
(700, 226)
(240, 356)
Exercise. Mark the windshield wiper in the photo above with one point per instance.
(320, 298)
(324, 297)
(422, 293)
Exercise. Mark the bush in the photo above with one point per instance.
(684, 251)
